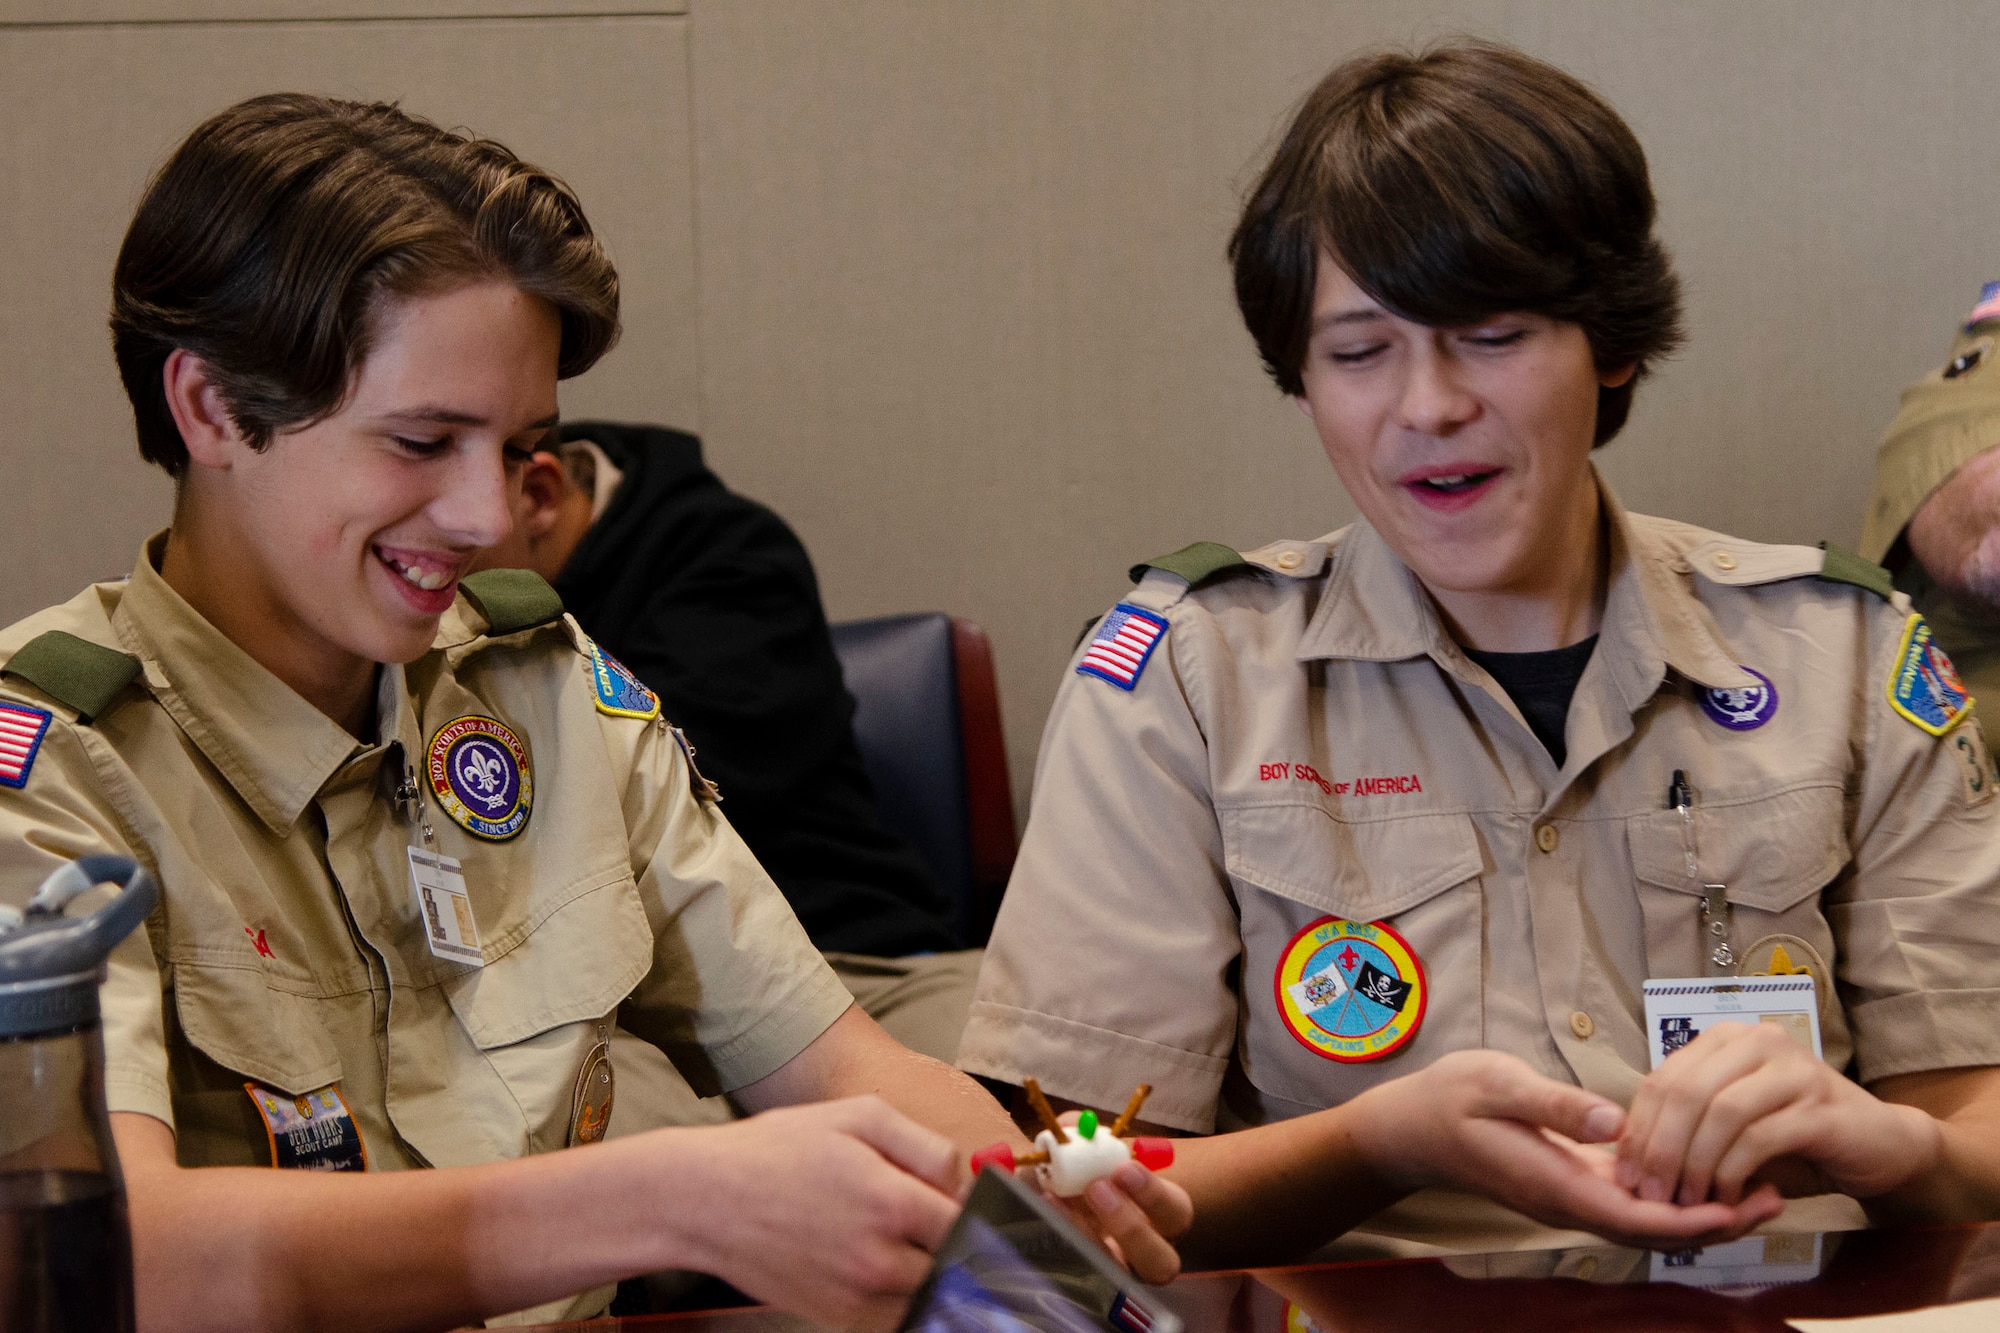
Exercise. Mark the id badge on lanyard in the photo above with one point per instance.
(1678, 1009)
(437, 886)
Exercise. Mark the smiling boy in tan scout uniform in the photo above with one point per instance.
(439, 886)
(1363, 846)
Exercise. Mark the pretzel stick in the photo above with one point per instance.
(1131, 1111)
(1043, 1110)
(1031, 1159)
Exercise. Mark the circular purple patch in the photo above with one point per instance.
(1742, 709)
(479, 772)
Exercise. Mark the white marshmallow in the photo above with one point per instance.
(1074, 1164)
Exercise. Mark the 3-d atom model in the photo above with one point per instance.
(1067, 1158)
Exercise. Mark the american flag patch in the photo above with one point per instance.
(21, 732)
(1130, 1315)
(1988, 306)
(1123, 642)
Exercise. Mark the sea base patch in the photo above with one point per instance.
(1924, 686)
(478, 771)
(21, 732)
(1123, 644)
(1350, 991)
(311, 1132)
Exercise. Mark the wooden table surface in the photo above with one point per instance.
(1753, 1288)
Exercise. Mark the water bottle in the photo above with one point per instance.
(65, 1246)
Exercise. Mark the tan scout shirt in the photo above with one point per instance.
(288, 950)
(1307, 742)
(1947, 418)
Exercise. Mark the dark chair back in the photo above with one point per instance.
(927, 718)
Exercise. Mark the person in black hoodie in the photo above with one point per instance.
(710, 599)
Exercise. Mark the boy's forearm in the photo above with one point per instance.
(1963, 1185)
(1266, 1195)
(246, 1247)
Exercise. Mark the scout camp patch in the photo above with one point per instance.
(1745, 708)
(21, 732)
(310, 1132)
(1122, 646)
(1350, 991)
(479, 773)
(1924, 686)
(619, 692)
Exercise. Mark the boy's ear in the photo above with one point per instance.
(199, 413)
(544, 486)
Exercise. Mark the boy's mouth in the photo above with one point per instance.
(426, 572)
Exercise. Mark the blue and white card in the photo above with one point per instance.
(1679, 1009)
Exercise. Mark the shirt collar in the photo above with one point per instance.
(271, 745)
(1374, 609)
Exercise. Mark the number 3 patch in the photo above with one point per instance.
(1978, 771)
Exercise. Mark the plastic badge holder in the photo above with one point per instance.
(1013, 1264)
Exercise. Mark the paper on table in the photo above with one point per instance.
(1968, 1317)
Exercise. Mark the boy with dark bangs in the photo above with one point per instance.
(1364, 847)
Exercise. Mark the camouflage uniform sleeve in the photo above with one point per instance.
(736, 988)
(1111, 960)
(60, 812)
(1918, 921)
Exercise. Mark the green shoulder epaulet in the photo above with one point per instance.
(1843, 566)
(511, 599)
(1193, 563)
(75, 672)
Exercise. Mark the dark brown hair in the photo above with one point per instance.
(269, 240)
(1454, 185)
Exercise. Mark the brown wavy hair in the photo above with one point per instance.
(1453, 185)
(269, 241)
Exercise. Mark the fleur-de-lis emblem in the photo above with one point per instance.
(483, 770)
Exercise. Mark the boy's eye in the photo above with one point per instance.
(1497, 339)
(422, 448)
(1353, 356)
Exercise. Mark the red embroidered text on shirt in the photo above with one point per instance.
(1398, 785)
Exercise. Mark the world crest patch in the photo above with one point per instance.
(1924, 686)
(1742, 708)
(478, 770)
(619, 692)
(1350, 991)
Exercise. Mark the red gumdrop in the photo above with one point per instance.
(1153, 1154)
(1002, 1156)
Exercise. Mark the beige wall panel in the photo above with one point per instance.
(91, 111)
(208, 11)
(966, 319)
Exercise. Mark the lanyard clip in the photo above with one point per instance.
(1715, 923)
(411, 798)
(1714, 897)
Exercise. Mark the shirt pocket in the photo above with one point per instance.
(536, 1010)
(1417, 874)
(1775, 854)
(238, 1023)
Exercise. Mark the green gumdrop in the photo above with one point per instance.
(1086, 1125)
